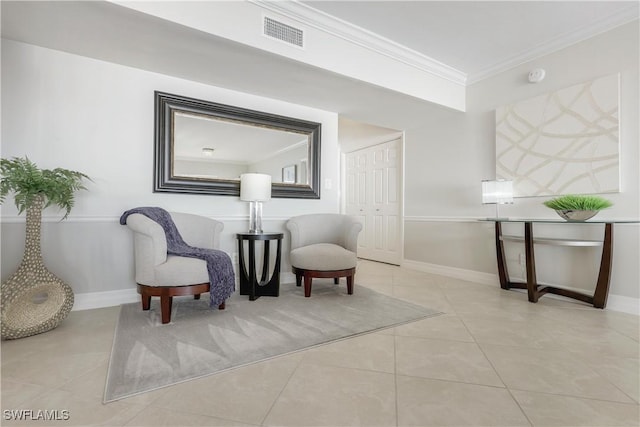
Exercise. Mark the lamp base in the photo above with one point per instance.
(255, 217)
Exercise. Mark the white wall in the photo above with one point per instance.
(446, 161)
(354, 135)
(63, 110)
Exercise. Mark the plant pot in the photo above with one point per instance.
(576, 215)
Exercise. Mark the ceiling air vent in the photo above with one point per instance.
(283, 32)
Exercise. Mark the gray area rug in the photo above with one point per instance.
(147, 355)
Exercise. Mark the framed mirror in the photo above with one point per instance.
(202, 147)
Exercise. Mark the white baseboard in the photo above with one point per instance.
(614, 302)
(89, 300)
(624, 304)
(457, 273)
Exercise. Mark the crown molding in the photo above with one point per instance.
(329, 24)
(359, 36)
(610, 22)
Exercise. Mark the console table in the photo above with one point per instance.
(249, 284)
(534, 290)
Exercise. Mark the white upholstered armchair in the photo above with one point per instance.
(166, 276)
(324, 245)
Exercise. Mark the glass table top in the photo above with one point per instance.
(562, 221)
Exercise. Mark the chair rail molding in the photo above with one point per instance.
(10, 219)
(422, 218)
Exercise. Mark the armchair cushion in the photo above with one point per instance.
(178, 269)
(322, 257)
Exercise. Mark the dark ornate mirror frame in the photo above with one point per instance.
(163, 181)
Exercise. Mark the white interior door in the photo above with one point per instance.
(373, 194)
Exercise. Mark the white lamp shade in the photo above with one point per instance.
(255, 187)
(497, 192)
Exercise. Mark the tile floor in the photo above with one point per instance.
(492, 359)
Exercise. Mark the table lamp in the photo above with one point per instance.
(498, 192)
(255, 188)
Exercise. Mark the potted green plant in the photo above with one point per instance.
(34, 300)
(578, 207)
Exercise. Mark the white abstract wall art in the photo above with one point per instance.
(563, 142)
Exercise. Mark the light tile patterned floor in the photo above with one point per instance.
(492, 360)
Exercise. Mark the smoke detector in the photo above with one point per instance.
(537, 75)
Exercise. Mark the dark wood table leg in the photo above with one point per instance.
(502, 260)
(604, 276)
(265, 262)
(242, 270)
(276, 269)
(252, 270)
(270, 286)
(532, 285)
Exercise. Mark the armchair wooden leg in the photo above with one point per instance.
(166, 294)
(222, 306)
(146, 302)
(307, 285)
(298, 280)
(165, 308)
(350, 285)
(308, 275)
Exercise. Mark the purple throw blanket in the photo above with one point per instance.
(221, 277)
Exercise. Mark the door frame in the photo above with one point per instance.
(343, 183)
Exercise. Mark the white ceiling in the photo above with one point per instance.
(480, 38)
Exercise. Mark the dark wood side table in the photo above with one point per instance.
(535, 290)
(249, 284)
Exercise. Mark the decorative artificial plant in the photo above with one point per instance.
(28, 182)
(578, 203)
(34, 300)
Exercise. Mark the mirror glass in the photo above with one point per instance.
(204, 147)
